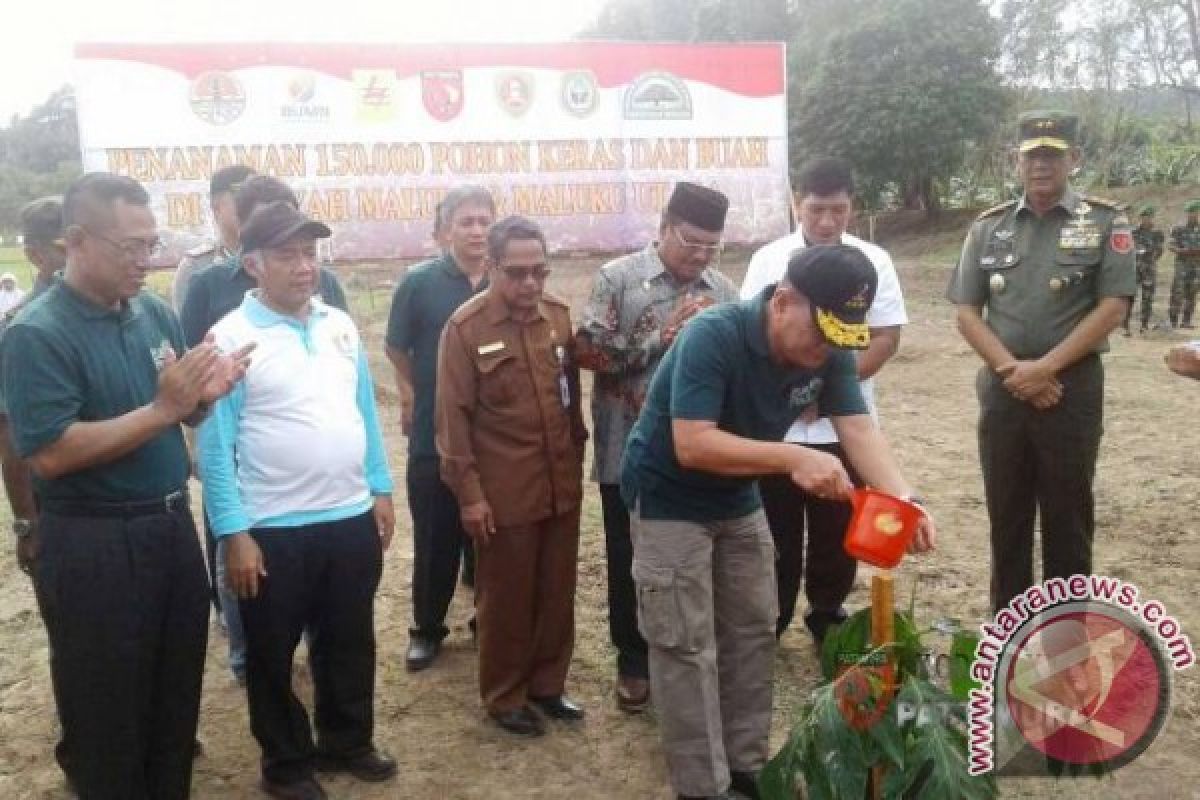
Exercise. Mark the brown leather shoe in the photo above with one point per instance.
(633, 694)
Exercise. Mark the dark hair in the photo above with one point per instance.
(42, 220)
(460, 196)
(259, 190)
(228, 179)
(825, 176)
(509, 229)
(87, 195)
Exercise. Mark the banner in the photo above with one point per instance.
(586, 138)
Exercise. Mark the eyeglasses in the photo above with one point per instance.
(132, 249)
(703, 247)
(522, 274)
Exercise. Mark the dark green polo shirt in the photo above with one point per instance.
(424, 300)
(719, 369)
(218, 289)
(67, 360)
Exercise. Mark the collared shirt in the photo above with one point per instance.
(424, 299)
(297, 442)
(193, 262)
(1036, 277)
(769, 265)
(1186, 237)
(40, 284)
(68, 360)
(720, 370)
(622, 326)
(509, 425)
(214, 292)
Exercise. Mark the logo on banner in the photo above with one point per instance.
(301, 90)
(579, 93)
(217, 97)
(514, 91)
(658, 95)
(375, 94)
(442, 93)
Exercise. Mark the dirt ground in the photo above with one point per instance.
(432, 722)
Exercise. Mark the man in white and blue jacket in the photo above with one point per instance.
(298, 491)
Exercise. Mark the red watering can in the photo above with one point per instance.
(881, 528)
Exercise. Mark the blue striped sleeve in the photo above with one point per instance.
(379, 476)
(215, 444)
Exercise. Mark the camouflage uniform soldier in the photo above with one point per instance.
(1185, 244)
(220, 197)
(1148, 245)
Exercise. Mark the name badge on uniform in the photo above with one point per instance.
(1079, 236)
(494, 347)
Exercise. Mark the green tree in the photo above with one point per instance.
(39, 155)
(903, 93)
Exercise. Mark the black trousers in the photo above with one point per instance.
(125, 601)
(790, 511)
(1040, 462)
(632, 658)
(440, 546)
(321, 577)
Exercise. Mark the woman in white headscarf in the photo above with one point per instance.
(10, 294)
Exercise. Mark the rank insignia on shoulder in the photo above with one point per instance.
(493, 347)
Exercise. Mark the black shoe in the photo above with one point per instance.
(521, 722)
(303, 789)
(559, 707)
(1125, 332)
(1187, 326)
(372, 766)
(421, 653)
(819, 622)
(745, 783)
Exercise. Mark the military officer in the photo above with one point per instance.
(221, 187)
(1041, 283)
(1185, 244)
(1148, 245)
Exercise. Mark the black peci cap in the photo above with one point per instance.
(699, 205)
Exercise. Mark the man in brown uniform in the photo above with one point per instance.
(510, 435)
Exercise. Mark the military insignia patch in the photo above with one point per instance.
(1121, 241)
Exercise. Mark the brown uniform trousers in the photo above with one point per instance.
(510, 431)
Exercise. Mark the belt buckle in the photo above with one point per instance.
(175, 501)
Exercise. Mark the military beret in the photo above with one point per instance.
(699, 205)
(1147, 211)
(1192, 207)
(1056, 129)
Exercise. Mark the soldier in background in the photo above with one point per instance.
(1185, 244)
(220, 199)
(1148, 245)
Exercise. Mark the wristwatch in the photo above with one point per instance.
(21, 528)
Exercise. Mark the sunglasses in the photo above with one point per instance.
(522, 274)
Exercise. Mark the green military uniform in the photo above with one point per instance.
(1185, 241)
(1035, 278)
(1148, 244)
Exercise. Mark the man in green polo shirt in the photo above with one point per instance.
(704, 561)
(425, 298)
(1041, 283)
(97, 384)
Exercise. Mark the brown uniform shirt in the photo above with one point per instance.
(509, 425)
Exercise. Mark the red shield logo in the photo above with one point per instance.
(442, 93)
(1121, 241)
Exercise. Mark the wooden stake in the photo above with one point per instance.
(883, 631)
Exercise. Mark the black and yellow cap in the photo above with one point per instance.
(839, 282)
(1056, 129)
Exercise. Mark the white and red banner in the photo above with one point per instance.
(586, 137)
